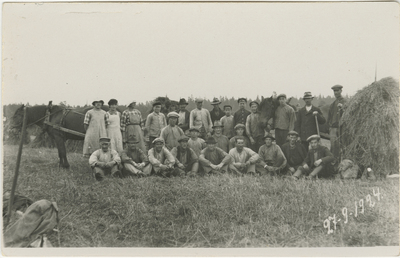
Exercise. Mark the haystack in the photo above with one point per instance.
(370, 127)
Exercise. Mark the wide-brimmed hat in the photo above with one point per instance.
(97, 101)
(254, 102)
(215, 101)
(173, 114)
(156, 103)
(337, 87)
(104, 139)
(158, 140)
(112, 102)
(312, 137)
(293, 133)
(132, 139)
(194, 129)
(217, 124)
(130, 104)
(211, 140)
(183, 138)
(308, 95)
(183, 101)
(268, 135)
(281, 95)
(244, 99)
(239, 126)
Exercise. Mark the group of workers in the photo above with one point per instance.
(203, 142)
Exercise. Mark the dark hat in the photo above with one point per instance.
(227, 106)
(239, 126)
(217, 124)
(281, 95)
(254, 102)
(158, 140)
(244, 99)
(112, 102)
(337, 87)
(194, 129)
(312, 137)
(211, 140)
(307, 95)
(98, 101)
(268, 135)
(132, 139)
(293, 133)
(215, 101)
(104, 139)
(183, 102)
(183, 138)
(173, 114)
(156, 103)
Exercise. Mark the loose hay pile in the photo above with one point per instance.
(370, 132)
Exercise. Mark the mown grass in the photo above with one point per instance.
(217, 211)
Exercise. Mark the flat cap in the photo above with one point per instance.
(158, 140)
(156, 103)
(337, 87)
(281, 95)
(217, 124)
(312, 137)
(268, 135)
(104, 139)
(173, 114)
(293, 133)
(199, 100)
(194, 129)
(244, 99)
(239, 126)
(254, 102)
(183, 138)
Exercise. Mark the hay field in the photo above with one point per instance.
(218, 211)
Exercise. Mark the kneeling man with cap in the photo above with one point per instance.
(318, 160)
(134, 161)
(186, 160)
(161, 160)
(213, 159)
(272, 159)
(105, 161)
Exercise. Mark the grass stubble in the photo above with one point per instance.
(216, 211)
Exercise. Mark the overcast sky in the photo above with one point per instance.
(81, 52)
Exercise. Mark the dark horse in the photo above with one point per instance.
(267, 110)
(71, 119)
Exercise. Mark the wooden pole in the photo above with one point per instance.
(14, 185)
(316, 122)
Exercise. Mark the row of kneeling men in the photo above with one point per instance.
(293, 160)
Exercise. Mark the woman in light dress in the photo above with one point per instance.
(94, 124)
(114, 128)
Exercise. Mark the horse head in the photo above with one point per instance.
(267, 110)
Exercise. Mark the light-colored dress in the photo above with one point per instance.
(114, 131)
(96, 121)
(131, 125)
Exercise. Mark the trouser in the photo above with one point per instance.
(163, 172)
(100, 173)
(191, 168)
(263, 171)
(258, 142)
(208, 170)
(322, 170)
(335, 148)
(280, 136)
(239, 171)
(131, 170)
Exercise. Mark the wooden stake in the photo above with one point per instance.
(14, 185)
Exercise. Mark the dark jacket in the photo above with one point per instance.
(185, 126)
(239, 117)
(296, 156)
(323, 153)
(305, 124)
(215, 117)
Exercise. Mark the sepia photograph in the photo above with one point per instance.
(200, 128)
